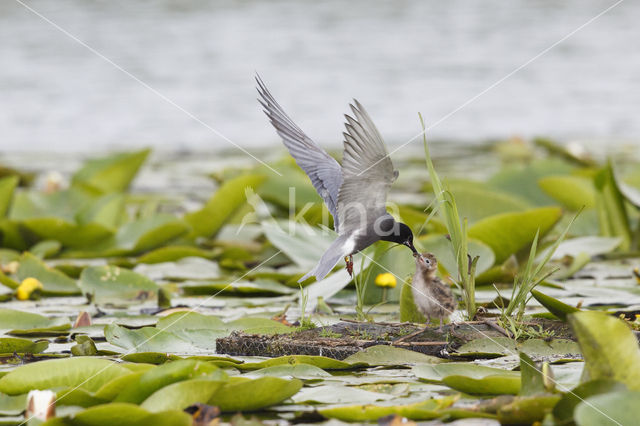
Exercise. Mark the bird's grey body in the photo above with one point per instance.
(432, 297)
(355, 192)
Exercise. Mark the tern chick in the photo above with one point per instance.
(432, 297)
(355, 192)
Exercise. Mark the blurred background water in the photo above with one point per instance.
(396, 57)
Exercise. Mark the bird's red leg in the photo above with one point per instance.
(349, 261)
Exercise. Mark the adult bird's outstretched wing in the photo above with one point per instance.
(323, 170)
(367, 172)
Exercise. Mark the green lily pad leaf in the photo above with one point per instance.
(87, 373)
(573, 192)
(488, 348)
(532, 379)
(10, 345)
(488, 385)
(297, 371)
(476, 201)
(317, 361)
(180, 395)
(471, 378)
(500, 346)
(155, 358)
(11, 319)
(148, 233)
(108, 211)
(194, 268)
(63, 204)
(69, 234)
(592, 246)
(113, 173)
(85, 346)
(275, 188)
(556, 307)
(338, 394)
(612, 215)
(54, 282)
(302, 244)
(523, 181)
(166, 374)
(427, 410)
(564, 409)
(190, 320)
(7, 186)
(258, 287)
(616, 408)
(527, 410)
(508, 233)
(440, 246)
(389, 355)
(173, 253)
(12, 405)
(45, 249)
(113, 282)
(242, 394)
(609, 348)
(207, 221)
(151, 339)
(111, 390)
(124, 414)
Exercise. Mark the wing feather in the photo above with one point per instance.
(367, 172)
(323, 170)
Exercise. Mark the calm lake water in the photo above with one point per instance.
(197, 60)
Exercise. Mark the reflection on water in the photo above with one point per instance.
(396, 57)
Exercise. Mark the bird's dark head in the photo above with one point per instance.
(402, 235)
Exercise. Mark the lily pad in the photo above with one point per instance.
(389, 355)
(7, 186)
(172, 254)
(166, 374)
(573, 192)
(16, 345)
(113, 282)
(151, 339)
(616, 408)
(476, 201)
(508, 233)
(54, 282)
(11, 319)
(87, 373)
(609, 348)
(123, 413)
(190, 320)
(471, 378)
(242, 394)
(556, 307)
(427, 410)
(180, 395)
(113, 173)
(564, 409)
(207, 221)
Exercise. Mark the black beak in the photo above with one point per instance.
(409, 244)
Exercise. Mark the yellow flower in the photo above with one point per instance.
(386, 280)
(28, 286)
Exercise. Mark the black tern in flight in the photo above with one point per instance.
(355, 193)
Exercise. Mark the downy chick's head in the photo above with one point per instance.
(427, 264)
